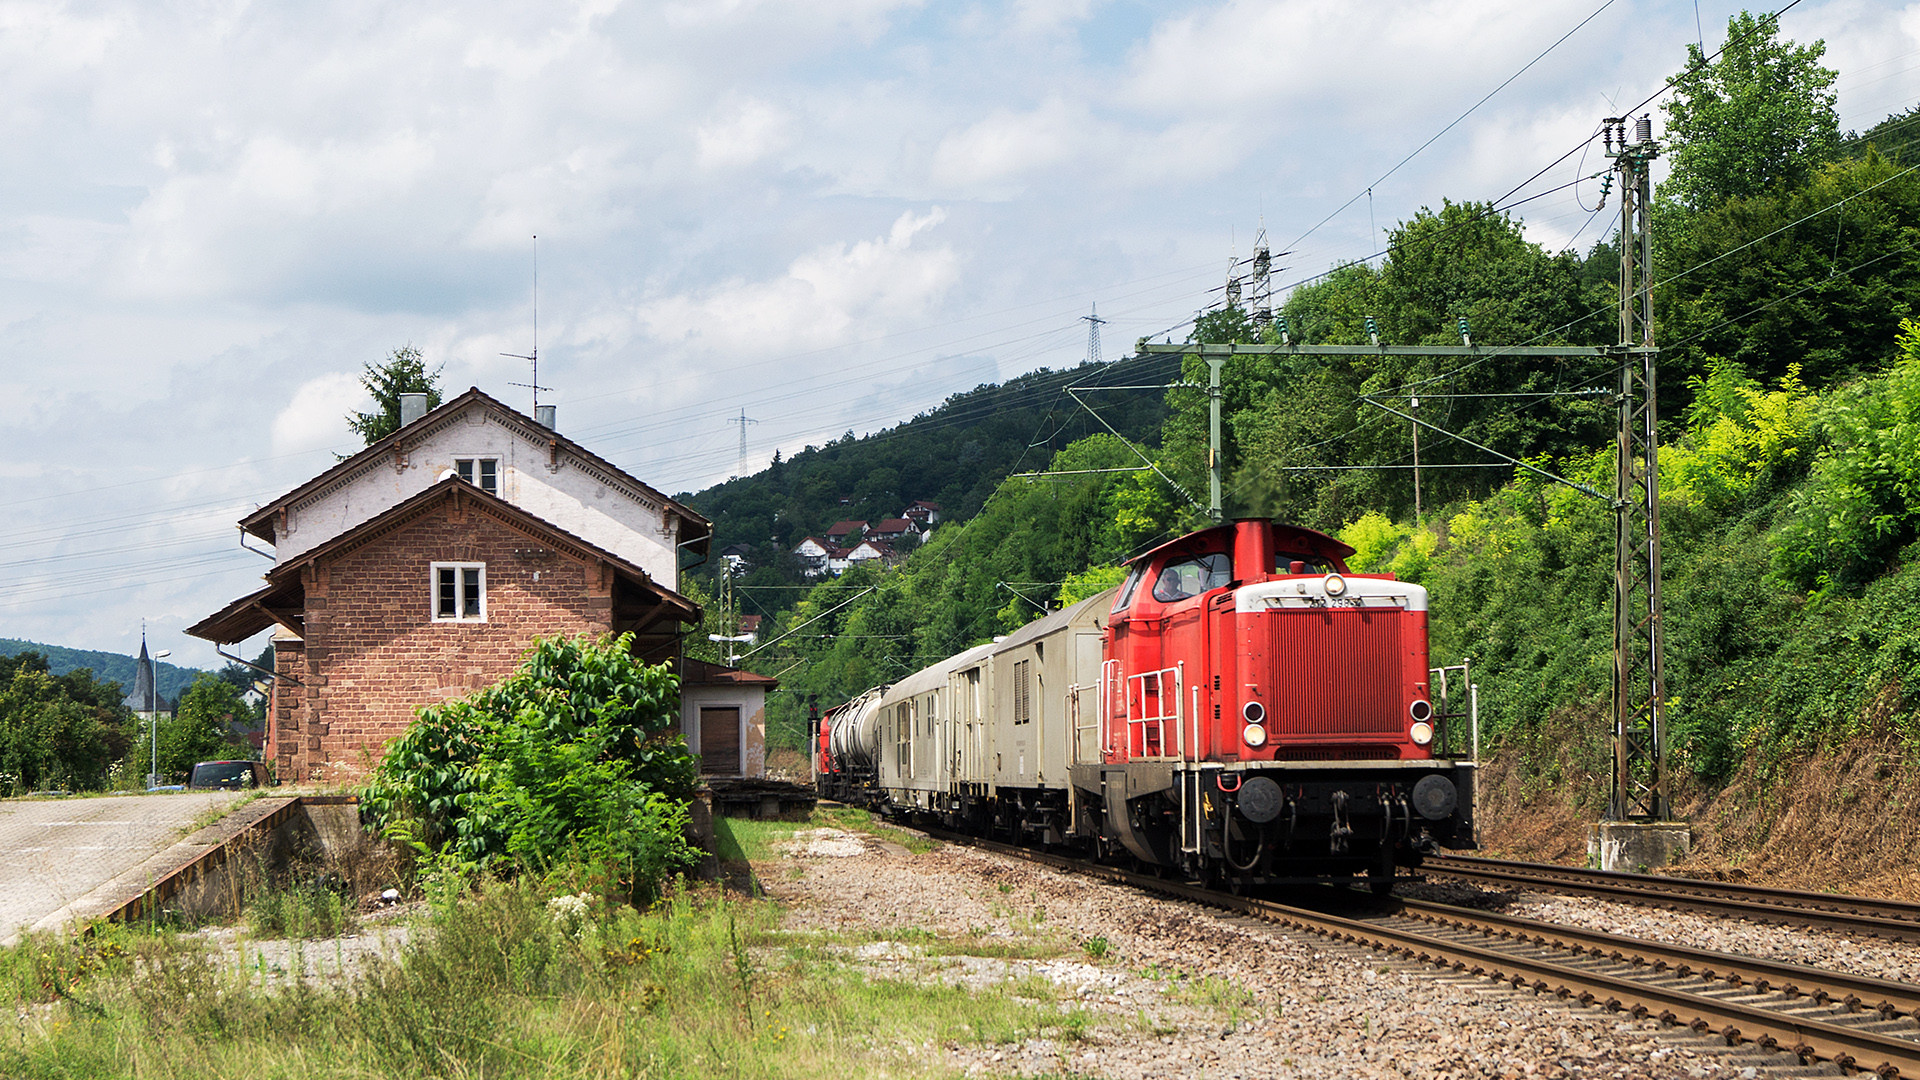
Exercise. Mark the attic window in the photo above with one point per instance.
(483, 473)
(459, 592)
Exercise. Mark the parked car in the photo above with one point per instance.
(213, 775)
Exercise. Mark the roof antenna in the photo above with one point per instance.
(534, 356)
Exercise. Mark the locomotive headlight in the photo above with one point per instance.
(1421, 709)
(1421, 733)
(1336, 585)
(1255, 712)
(1254, 735)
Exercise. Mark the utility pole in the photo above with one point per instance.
(1639, 676)
(1261, 302)
(1418, 518)
(743, 422)
(1094, 322)
(1215, 508)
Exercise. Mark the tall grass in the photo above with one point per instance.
(301, 911)
(501, 985)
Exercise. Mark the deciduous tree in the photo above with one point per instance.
(1758, 119)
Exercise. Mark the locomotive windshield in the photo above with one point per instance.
(1192, 576)
(1129, 587)
(1292, 562)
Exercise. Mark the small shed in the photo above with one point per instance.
(723, 712)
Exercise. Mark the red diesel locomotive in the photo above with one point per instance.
(1241, 709)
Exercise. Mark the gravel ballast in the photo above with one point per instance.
(1171, 989)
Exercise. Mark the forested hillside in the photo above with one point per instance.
(954, 455)
(1790, 467)
(170, 681)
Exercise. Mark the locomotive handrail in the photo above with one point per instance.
(1139, 724)
(1076, 717)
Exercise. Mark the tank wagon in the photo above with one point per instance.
(1241, 709)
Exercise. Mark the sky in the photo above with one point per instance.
(826, 217)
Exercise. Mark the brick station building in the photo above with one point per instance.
(423, 567)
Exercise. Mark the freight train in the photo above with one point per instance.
(1241, 710)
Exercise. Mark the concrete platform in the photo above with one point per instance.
(68, 860)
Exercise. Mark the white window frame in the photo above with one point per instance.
(468, 469)
(460, 585)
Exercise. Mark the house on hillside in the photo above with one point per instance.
(738, 556)
(869, 550)
(891, 529)
(923, 514)
(846, 533)
(423, 567)
(813, 553)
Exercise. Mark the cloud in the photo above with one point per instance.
(743, 134)
(820, 300)
(1008, 146)
(1246, 53)
(315, 417)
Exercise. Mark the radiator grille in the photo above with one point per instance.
(1336, 672)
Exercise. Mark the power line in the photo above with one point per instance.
(1455, 122)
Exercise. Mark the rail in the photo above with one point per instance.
(1839, 1027)
(1891, 919)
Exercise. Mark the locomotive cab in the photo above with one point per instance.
(1268, 712)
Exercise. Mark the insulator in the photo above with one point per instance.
(1643, 128)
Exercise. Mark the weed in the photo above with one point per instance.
(1036, 987)
(742, 969)
(1212, 992)
(1095, 948)
(301, 911)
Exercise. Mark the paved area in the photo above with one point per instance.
(54, 852)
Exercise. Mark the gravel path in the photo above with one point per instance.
(1183, 991)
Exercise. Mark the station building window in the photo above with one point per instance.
(483, 473)
(459, 592)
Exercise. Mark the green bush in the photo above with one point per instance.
(568, 766)
(1862, 502)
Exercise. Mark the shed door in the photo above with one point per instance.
(720, 741)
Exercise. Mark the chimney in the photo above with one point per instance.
(412, 407)
(543, 415)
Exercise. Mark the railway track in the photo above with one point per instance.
(1890, 919)
(1850, 1021)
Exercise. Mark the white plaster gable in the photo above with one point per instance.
(535, 473)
